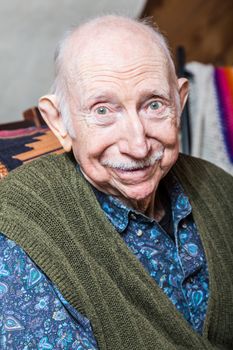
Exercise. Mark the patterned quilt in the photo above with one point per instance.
(24, 145)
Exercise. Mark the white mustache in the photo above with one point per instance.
(134, 164)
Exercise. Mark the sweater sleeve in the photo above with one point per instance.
(33, 312)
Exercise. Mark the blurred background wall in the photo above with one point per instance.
(203, 27)
(29, 31)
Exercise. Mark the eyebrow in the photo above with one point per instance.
(156, 93)
(101, 96)
(149, 94)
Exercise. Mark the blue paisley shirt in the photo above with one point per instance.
(33, 313)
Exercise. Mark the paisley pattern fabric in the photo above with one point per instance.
(33, 313)
(177, 262)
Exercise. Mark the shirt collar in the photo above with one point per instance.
(116, 211)
(180, 204)
(119, 214)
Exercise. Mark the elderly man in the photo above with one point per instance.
(117, 244)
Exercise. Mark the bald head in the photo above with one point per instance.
(116, 83)
(106, 35)
(94, 30)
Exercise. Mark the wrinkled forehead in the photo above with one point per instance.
(118, 52)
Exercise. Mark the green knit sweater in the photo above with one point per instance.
(49, 210)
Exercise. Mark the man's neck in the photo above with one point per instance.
(152, 206)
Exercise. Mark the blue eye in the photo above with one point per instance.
(101, 110)
(154, 105)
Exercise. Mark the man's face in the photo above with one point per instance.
(124, 118)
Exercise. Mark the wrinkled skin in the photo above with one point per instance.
(123, 112)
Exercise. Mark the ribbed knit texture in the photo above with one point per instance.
(49, 209)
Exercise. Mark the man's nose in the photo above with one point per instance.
(134, 140)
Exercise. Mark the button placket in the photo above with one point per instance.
(132, 216)
(139, 233)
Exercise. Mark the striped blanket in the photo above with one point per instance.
(224, 86)
(211, 113)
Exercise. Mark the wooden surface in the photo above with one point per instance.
(203, 27)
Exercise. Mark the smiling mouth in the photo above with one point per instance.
(136, 174)
(133, 169)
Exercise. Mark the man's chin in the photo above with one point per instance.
(133, 185)
(137, 193)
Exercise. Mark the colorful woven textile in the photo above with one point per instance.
(211, 113)
(23, 145)
(224, 86)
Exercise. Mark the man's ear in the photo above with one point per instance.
(183, 87)
(48, 107)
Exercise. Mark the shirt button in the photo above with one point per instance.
(184, 225)
(139, 233)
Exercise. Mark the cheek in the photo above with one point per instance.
(165, 131)
(167, 135)
(90, 142)
(88, 149)
(170, 157)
